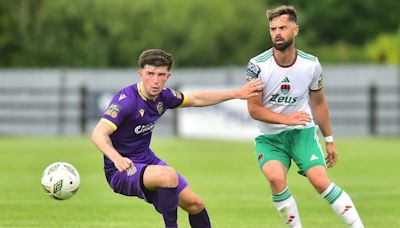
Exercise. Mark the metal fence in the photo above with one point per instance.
(363, 100)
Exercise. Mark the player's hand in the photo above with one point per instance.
(123, 163)
(332, 155)
(298, 118)
(250, 89)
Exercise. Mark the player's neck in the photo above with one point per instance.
(286, 57)
(142, 92)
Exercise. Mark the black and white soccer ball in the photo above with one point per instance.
(60, 180)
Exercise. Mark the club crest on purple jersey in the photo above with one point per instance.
(160, 107)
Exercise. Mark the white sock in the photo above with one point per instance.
(287, 208)
(341, 203)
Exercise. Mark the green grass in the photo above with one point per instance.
(223, 173)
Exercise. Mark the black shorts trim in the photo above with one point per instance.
(149, 194)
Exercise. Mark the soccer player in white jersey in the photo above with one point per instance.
(292, 99)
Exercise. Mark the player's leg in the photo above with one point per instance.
(275, 172)
(308, 155)
(274, 163)
(160, 184)
(157, 184)
(160, 176)
(194, 205)
(339, 200)
(282, 198)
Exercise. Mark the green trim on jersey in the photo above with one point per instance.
(264, 56)
(306, 55)
(299, 145)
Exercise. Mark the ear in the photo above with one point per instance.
(296, 30)
(139, 73)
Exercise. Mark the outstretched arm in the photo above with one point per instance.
(199, 99)
(320, 110)
(258, 112)
(101, 138)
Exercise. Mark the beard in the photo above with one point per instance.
(283, 46)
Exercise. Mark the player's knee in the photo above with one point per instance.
(275, 172)
(169, 178)
(195, 206)
(276, 180)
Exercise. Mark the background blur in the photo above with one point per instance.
(61, 61)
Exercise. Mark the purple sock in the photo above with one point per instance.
(167, 205)
(200, 220)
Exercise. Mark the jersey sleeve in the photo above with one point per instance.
(317, 79)
(252, 71)
(119, 108)
(174, 98)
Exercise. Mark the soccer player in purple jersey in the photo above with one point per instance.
(123, 135)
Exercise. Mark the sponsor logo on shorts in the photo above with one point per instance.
(260, 157)
(313, 157)
(132, 170)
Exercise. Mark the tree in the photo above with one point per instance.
(355, 22)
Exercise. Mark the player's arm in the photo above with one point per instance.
(258, 112)
(101, 138)
(320, 110)
(199, 99)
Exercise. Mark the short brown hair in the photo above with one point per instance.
(155, 57)
(282, 10)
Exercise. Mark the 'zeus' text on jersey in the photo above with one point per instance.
(286, 88)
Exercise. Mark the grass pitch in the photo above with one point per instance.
(223, 173)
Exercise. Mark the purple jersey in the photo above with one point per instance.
(133, 118)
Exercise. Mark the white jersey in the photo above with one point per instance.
(286, 88)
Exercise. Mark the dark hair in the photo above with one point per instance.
(281, 10)
(155, 57)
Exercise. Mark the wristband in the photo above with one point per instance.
(329, 139)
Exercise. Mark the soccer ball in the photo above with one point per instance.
(60, 180)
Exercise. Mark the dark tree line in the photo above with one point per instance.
(104, 33)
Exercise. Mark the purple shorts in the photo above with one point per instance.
(130, 182)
